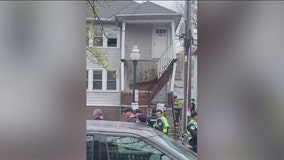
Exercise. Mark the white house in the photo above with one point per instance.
(152, 29)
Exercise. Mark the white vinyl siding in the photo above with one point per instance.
(140, 35)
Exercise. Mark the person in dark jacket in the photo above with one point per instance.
(129, 115)
(137, 112)
(141, 119)
(192, 131)
(153, 118)
(193, 106)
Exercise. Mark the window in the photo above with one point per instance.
(112, 34)
(97, 80)
(106, 37)
(87, 36)
(161, 32)
(96, 149)
(119, 147)
(90, 147)
(87, 78)
(98, 37)
(111, 80)
(101, 80)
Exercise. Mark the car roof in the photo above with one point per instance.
(120, 126)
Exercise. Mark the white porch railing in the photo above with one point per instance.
(164, 61)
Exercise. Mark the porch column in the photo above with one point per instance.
(122, 57)
(173, 55)
(173, 40)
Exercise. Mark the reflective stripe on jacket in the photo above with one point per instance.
(166, 124)
(162, 127)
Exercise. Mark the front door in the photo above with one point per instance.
(160, 37)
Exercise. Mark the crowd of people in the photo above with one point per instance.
(158, 121)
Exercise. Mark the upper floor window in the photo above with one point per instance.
(105, 37)
(98, 36)
(112, 36)
(87, 78)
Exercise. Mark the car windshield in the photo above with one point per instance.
(178, 147)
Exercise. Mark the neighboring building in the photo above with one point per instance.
(127, 23)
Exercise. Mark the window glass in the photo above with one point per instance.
(111, 33)
(90, 147)
(98, 36)
(161, 32)
(111, 80)
(97, 80)
(87, 37)
(88, 32)
(87, 79)
(112, 42)
(96, 150)
(132, 148)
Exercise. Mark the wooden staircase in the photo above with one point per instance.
(154, 76)
(159, 83)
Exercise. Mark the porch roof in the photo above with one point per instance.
(149, 18)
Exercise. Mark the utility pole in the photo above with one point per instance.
(187, 62)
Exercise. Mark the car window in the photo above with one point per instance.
(96, 150)
(177, 147)
(124, 148)
(90, 147)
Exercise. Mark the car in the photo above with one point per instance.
(117, 140)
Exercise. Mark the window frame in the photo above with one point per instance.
(99, 36)
(104, 80)
(104, 38)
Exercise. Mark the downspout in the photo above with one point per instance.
(122, 57)
(122, 60)
(174, 57)
(195, 79)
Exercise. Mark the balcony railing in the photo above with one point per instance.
(164, 61)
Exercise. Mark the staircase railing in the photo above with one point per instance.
(164, 61)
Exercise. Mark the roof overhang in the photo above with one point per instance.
(176, 17)
(102, 20)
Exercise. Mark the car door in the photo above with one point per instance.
(131, 147)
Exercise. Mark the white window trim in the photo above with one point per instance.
(104, 81)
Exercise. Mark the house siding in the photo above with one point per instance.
(141, 35)
(106, 98)
(113, 58)
(103, 98)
